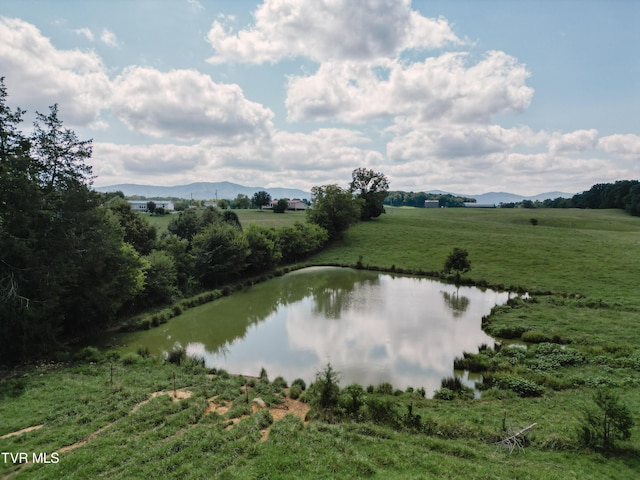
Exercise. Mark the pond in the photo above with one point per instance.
(372, 327)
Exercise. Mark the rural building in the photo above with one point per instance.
(479, 205)
(211, 204)
(141, 205)
(432, 204)
(294, 204)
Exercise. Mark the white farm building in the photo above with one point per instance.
(141, 205)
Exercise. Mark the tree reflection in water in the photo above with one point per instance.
(372, 327)
(458, 303)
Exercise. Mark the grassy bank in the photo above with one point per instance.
(103, 418)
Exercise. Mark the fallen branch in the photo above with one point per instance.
(516, 440)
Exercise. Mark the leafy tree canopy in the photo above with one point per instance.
(458, 262)
(372, 188)
(334, 209)
(261, 198)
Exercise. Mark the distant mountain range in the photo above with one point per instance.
(505, 197)
(202, 191)
(228, 190)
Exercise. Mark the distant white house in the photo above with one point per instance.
(141, 205)
(432, 204)
(294, 204)
(210, 203)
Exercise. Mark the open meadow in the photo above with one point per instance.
(261, 217)
(578, 333)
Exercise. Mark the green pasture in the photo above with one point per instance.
(582, 324)
(261, 217)
(589, 252)
(269, 219)
(159, 221)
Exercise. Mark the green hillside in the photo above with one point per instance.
(101, 418)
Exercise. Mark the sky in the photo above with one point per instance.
(466, 96)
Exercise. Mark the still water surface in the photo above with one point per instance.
(373, 327)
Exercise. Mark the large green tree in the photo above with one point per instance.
(265, 249)
(261, 198)
(372, 188)
(334, 209)
(64, 267)
(137, 229)
(220, 253)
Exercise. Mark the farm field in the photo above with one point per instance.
(580, 267)
(260, 217)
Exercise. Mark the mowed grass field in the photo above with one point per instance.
(585, 261)
(591, 252)
(261, 217)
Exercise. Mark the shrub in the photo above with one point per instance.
(300, 383)
(380, 410)
(505, 331)
(444, 394)
(385, 388)
(352, 399)
(144, 352)
(130, 359)
(522, 386)
(263, 419)
(457, 262)
(452, 383)
(611, 421)
(534, 336)
(89, 354)
(474, 362)
(279, 382)
(295, 391)
(452, 387)
(177, 355)
(324, 393)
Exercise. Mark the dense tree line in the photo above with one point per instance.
(417, 199)
(64, 264)
(73, 261)
(623, 194)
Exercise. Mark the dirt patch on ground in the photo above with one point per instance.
(219, 408)
(175, 395)
(24, 430)
(288, 405)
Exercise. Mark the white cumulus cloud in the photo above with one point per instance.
(324, 30)
(187, 105)
(38, 75)
(626, 146)
(442, 88)
(577, 141)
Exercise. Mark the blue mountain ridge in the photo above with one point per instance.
(228, 190)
